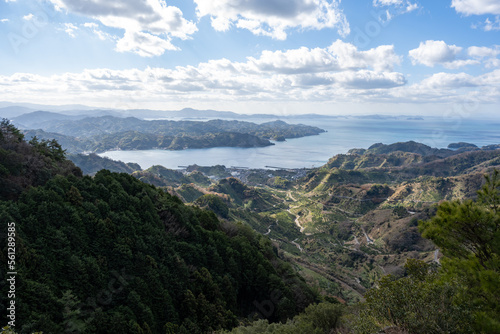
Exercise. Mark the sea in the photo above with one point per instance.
(342, 134)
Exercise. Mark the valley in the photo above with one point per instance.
(348, 223)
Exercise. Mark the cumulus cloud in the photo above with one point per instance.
(476, 7)
(431, 53)
(151, 22)
(273, 17)
(381, 58)
(339, 56)
(302, 60)
(4, 20)
(339, 71)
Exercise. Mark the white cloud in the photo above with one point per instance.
(365, 79)
(224, 82)
(381, 58)
(4, 20)
(431, 53)
(273, 17)
(490, 79)
(302, 60)
(483, 52)
(492, 26)
(144, 44)
(70, 29)
(486, 55)
(476, 7)
(455, 87)
(405, 6)
(449, 81)
(94, 27)
(151, 22)
(387, 2)
(411, 7)
(339, 56)
(28, 17)
(339, 72)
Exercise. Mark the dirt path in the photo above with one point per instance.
(268, 230)
(297, 245)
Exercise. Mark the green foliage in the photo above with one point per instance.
(161, 177)
(378, 190)
(244, 196)
(416, 303)
(281, 183)
(410, 146)
(98, 134)
(468, 234)
(213, 203)
(323, 318)
(110, 254)
(218, 171)
(399, 211)
(167, 255)
(92, 163)
(23, 165)
(50, 148)
(188, 193)
(9, 133)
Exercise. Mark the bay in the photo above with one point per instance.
(343, 133)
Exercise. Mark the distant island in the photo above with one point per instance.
(79, 134)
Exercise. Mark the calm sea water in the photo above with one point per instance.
(314, 151)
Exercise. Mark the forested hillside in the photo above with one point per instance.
(106, 133)
(395, 239)
(111, 254)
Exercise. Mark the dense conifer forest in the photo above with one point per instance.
(111, 254)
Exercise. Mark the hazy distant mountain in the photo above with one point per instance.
(13, 111)
(184, 113)
(95, 113)
(41, 119)
(34, 106)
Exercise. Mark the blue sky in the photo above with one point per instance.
(253, 56)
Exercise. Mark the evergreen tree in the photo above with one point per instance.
(468, 234)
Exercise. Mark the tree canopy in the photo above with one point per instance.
(468, 234)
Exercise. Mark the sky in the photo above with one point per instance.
(414, 57)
